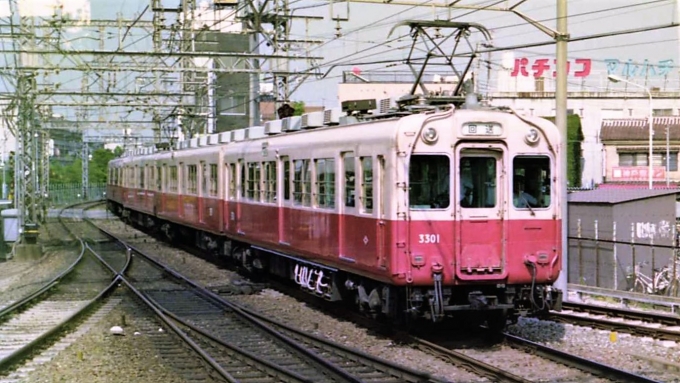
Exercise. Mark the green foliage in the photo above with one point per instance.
(99, 165)
(118, 151)
(66, 171)
(69, 171)
(574, 140)
(299, 107)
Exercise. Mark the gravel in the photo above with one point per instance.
(101, 357)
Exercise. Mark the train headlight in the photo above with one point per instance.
(532, 137)
(430, 135)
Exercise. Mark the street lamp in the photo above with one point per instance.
(614, 78)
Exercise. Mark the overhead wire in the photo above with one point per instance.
(495, 29)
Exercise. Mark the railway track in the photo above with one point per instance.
(41, 317)
(636, 322)
(273, 354)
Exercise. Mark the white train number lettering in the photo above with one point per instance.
(428, 238)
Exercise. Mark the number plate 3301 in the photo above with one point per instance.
(428, 238)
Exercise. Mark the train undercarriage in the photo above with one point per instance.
(495, 304)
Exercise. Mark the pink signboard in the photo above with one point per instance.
(637, 173)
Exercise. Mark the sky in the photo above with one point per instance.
(586, 17)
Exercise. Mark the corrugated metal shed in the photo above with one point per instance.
(614, 196)
(637, 129)
(642, 223)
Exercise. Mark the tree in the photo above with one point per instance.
(99, 165)
(574, 140)
(72, 171)
(299, 107)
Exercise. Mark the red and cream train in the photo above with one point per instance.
(431, 213)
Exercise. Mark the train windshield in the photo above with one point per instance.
(429, 182)
(477, 182)
(531, 182)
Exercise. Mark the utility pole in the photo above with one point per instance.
(85, 157)
(562, 38)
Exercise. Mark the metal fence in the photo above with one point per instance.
(68, 193)
(620, 260)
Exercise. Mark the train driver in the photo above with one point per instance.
(521, 197)
(466, 186)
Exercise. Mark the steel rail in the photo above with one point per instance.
(29, 348)
(598, 369)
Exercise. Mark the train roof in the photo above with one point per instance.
(351, 113)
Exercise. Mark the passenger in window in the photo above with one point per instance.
(521, 197)
(466, 186)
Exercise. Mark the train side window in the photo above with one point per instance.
(531, 182)
(302, 183)
(253, 189)
(173, 182)
(242, 178)
(212, 190)
(151, 177)
(192, 179)
(140, 177)
(232, 180)
(158, 180)
(286, 178)
(325, 182)
(350, 179)
(270, 181)
(367, 184)
(429, 181)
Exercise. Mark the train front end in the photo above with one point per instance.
(484, 218)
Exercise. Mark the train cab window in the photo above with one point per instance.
(212, 190)
(302, 183)
(429, 182)
(531, 182)
(477, 182)
(270, 181)
(325, 182)
(192, 180)
(367, 184)
(350, 179)
(253, 190)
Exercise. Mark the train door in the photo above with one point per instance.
(347, 206)
(241, 193)
(230, 200)
(284, 200)
(480, 237)
(202, 191)
(380, 206)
